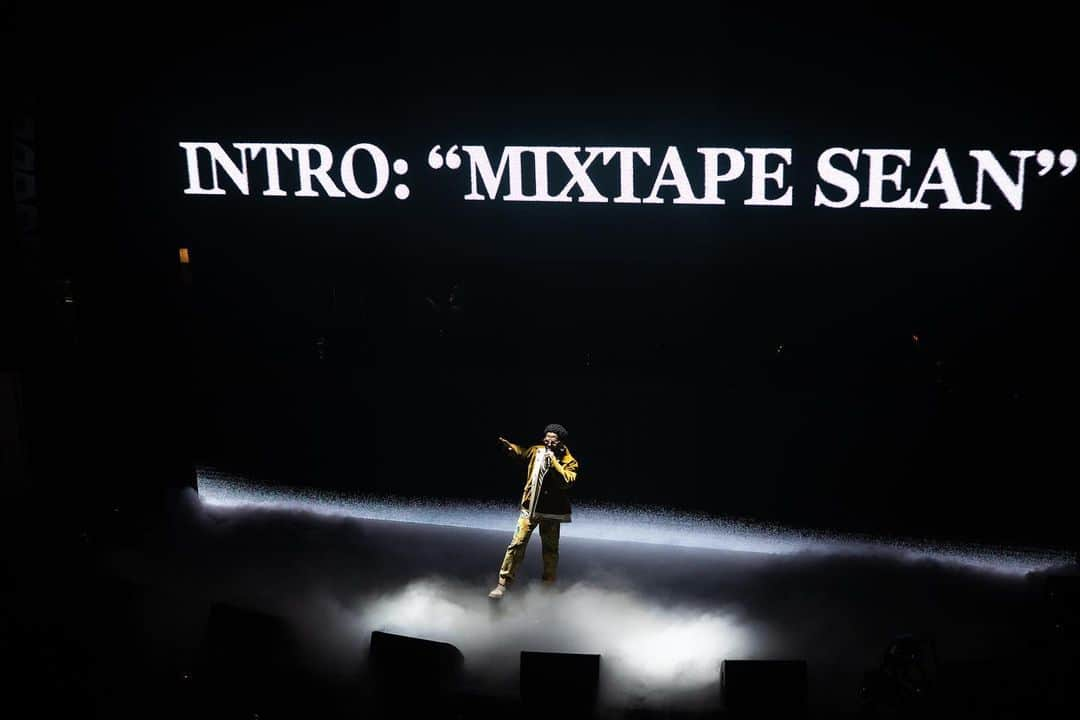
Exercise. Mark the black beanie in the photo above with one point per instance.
(558, 430)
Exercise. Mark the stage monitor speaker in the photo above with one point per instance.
(567, 681)
(764, 686)
(248, 657)
(412, 669)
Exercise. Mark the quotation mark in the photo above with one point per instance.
(453, 160)
(1045, 158)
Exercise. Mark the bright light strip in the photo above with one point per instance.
(650, 525)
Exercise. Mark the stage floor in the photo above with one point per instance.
(663, 613)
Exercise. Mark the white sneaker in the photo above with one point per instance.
(498, 592)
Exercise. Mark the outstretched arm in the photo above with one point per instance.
(511, 448)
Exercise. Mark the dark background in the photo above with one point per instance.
(303, 347)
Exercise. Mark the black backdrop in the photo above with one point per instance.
(307, 349)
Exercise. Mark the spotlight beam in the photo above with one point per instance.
(648, 525)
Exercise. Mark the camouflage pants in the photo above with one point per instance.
(515, 552)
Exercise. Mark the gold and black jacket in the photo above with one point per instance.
(552, 502)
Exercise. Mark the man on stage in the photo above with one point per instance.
(550, 472)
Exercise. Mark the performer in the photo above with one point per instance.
(550, 472)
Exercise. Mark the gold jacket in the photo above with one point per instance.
(553, 502)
